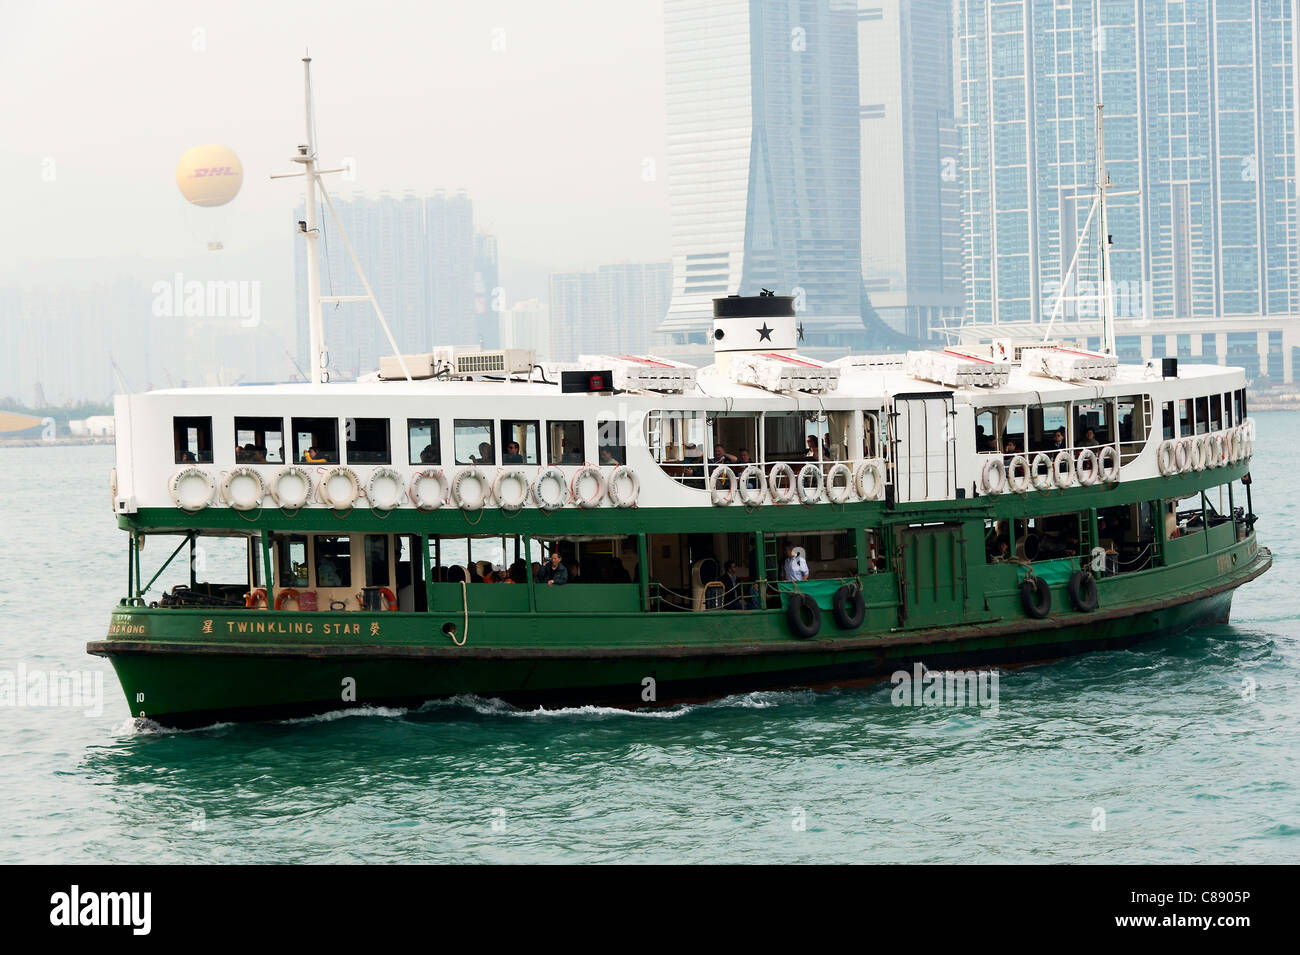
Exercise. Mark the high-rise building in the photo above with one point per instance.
(764, 162)
(1200, 134)
(449, 234)
(487, 290)
(612, 310)
(527, 325)
(911, 197)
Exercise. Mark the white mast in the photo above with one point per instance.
(1103, 183)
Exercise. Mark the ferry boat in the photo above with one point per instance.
(633, 531)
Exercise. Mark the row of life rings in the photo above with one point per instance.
(840, 484)
(1045, 471)
(1214, 450)
(470, 489)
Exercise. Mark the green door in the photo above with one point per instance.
(932, 575)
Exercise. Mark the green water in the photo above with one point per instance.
(1162, 739)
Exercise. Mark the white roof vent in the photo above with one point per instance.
(643, 372)
(1070, 364)
(956, 369)
(774, 371)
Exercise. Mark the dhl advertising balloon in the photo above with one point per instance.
(209, 175)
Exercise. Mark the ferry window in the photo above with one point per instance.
(1228, 419)
(316, 440)
(1097, 415)
(1202, 415)
(291, 556)
(1011, 427)
(1239, 405)
(1185, 417)
(333, 562)
(738, 436)
(368, 441)
(259, 440)
(835, 436)
(827, 553)
(564, 442)
(423, 444)
(473, 441)
(192, 440)
(1047, 537)
(986, 430)
(606, 560)
(1049, 428)
(1216, 412)
(519, 443)
(1170, 425)
(1134, 425)
(377, 560)
(871, 434)
(611, 443)
(785, 437)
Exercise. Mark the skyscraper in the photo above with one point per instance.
(1199, 110)
(911, 199)
(764, 162)
(612, 310)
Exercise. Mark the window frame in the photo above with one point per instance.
(434, 442)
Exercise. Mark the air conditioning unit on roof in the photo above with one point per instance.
(643, 372)
(956, 369)
(775, 371)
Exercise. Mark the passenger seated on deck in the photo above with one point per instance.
(720, 456)
(485, 455)
(512, 455)
(608, 458)
(187, 457)
(554, 573)
(310, 456)
(428, 455)
(1089, 438)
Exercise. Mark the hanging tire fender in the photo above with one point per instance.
(803, 615)
(850, 607)
(1083, 591)
(1036, 596)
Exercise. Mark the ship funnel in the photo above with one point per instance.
(749, 324)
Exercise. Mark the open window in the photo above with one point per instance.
(790, 436)
(735, 439)
(259, 440)
(611, 443)
(519, 442)
(424, 445)
(291, 559)
(473, 441)
(564, 442)
(871, 434)
(1049, 429)
(378, 560)
(316, 440)
(1094, 423)
(986, 430)
(192, 440)
(1134, 417)
(677, 441)
(368, 441)
(333, 561)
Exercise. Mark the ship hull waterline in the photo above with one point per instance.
(187, 684)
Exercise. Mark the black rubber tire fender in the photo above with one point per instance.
(804, 616)
(850, 607)
(1083, 591)
(1036, 597)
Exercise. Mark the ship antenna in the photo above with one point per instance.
(308, 228)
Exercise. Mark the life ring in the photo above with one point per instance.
(1234, 445)
(722, 486)
(283, 492)
(284, 596)
(587, 501)
(1183, 455)
(329, 492)
(993, 476)
(616, 478)
(1200, 452)
(554, 477)
(1214, 454)
(1040, 471)
(498, 489)
(243, 489)
(1166, 459)
(781, 495)
(1018, 476)
(191, 489)
(750, 485)
(1063, 469)
(1108, 464)
(1086, 468)
(813, 471)
(1036, 597)
(458, 496)
(869, 481)
(1083, 591)
(415, 491)
(382, 499)
(839, 493)
(255, 596)
(803, 615)
(850, 607)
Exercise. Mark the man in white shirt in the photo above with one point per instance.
(795, 567)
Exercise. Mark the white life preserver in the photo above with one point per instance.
(1086, 468)
(839, 493)
(616, 478)
(415, 490)
(1183, 455)
(751, 485)
(1214, 456)
(1108, 464)
(498, 489)
(1200, 452)
(1063, 469)
(384, 489)
(993, 476)
(813, 471)
(1166, 458)
(191, 489)
(1018, 476)
(587, 501)
(781, 495)
(291, 487)
(330, 492)
(1238, 444)
(869, 481)
(1040, 471)
(464, 501)
(555, 477)
(722, 495)
(243, 489)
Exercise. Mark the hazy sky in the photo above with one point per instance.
(550, 134)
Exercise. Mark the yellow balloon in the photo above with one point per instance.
(209, 175)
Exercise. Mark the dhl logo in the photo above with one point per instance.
(209, 171)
